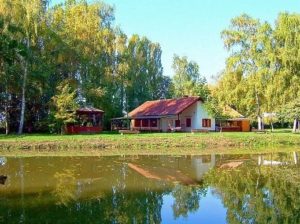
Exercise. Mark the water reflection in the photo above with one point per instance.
(3, 179)
(152, 189)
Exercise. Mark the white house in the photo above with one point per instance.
(184, 114)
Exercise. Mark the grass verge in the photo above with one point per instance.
(146, 144)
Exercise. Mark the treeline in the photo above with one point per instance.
(77, 45)
(262, 73)
(56, 59)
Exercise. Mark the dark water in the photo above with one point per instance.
(151, 189)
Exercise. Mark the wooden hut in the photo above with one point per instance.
(236, 123)
(89, 120)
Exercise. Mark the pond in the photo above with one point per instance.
(151, 189)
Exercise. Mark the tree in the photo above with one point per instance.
(75, 40)
(144, 75)
(262, 68)
(291, 112)
(65, 105)
(28, 15)
(11, 50)
(187, 79)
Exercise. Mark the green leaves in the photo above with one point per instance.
(65, 104)
(263, 68)
(187, 79)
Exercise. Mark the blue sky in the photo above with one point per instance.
(192, 27)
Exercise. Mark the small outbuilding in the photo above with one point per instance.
(235, 123)
(88, 120)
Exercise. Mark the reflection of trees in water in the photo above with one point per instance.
(65, 186)
(133, 207)
(187, 199)
(252, 194)
(260, 194)
(117, 206)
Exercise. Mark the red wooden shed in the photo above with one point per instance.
(89, 120)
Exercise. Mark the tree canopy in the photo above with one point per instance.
(262, 71)
(77, 41)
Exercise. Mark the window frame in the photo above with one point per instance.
(206, 123)
(188, 122)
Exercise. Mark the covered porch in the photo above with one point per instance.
(170, 123)
(88, 120)
(233, 125)
(146, 124)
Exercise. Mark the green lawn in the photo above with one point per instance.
(109, 143)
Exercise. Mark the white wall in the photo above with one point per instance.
(196, 112)
(203, 114)
(166, 121)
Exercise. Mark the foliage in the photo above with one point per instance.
(187, 79)
(41, 46)
(65, 105)
(74, 40)
(263, 67)
(290, 111)
(214, 108)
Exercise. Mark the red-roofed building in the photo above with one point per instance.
(89, 120)
(184, 114)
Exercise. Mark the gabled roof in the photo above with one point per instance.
(89, 110)
(232, 113)
(163, 107)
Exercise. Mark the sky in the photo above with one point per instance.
(192, 27)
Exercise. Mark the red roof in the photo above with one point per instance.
(89, 110)
(163, 107)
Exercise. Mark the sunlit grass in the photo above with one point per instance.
(112, 143)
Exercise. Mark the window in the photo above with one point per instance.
(188, 122)
(137, 123)
(177, 123)
(153, 123)
(145, 123)
(206, 123)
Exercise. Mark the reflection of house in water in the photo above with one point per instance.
(185, 170)
(202, 164)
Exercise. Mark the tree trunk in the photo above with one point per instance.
(272, 127)
(295, 125)
(23, 102)
(6, 119)
(6, 113)
(260, 125)
(259, 118)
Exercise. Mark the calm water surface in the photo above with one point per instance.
(151, 189)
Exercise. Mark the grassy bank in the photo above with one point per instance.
(152, 143)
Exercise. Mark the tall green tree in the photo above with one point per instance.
(28, 15)
(144, 75)
(187, 79)
(262, 69)
(11, 51)
(65, 105)
(77, 40)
